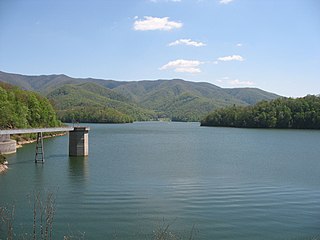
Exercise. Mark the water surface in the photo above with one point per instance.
(229, 183)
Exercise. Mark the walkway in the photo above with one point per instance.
(78, 140)
(36, 130)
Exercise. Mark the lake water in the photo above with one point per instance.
(226, 183)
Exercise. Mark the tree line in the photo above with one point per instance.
(24, 109)
(299, 113)
(94, 115)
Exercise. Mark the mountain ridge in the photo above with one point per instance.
(176, 99)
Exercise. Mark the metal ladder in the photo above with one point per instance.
(39, 149)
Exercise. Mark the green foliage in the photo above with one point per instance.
(300, 113)
(251, 95)
(94, 115)
(90, 102)
(176, 99)
(22, 109)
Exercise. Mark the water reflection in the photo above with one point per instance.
(78, 169)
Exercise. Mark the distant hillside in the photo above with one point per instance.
(47, 83)
(251, 95)
(76, 101)
(176, 99)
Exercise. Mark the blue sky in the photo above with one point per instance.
(270, 44)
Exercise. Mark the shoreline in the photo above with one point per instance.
(19, 144)
(3, 163)
(23, 142)
(3, 168)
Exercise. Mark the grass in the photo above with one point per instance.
(163, 232)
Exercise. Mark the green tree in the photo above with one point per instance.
(23, 109)
(279, 113)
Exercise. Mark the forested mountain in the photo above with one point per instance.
(47, 83)
(176, 99)
(251, 95)
(300, 113)
(89, 102)
(24, 109)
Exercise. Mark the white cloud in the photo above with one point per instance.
(237, 82)
(234, 82)
(225, 1)
(222, 80)
(231, 58)
(181, 65)
(239, 44)
(187, 42)
(188, 70)
(155, 23)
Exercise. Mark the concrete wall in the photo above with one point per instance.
(4, 137)
(7, 145)
(78, 142)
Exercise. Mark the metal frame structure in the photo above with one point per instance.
(39, 149)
